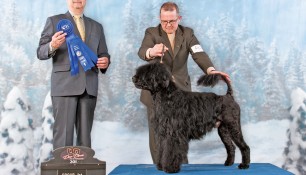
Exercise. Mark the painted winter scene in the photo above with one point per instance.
(260, 43)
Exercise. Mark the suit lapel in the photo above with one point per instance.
(178, 41)
(87, 27)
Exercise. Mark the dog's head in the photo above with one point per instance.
(153, 77)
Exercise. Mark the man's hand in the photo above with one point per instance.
(58, 39)
(102, 63)
(225, 75)
(157, 50)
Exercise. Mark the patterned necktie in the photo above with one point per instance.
(80, 26)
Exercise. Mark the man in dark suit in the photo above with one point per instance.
(73, 97)
(175, 43)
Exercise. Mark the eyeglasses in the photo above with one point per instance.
(171, 22)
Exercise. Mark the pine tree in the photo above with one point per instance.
(132, 113)
(16, 143)
(291, 68)
(247, 78)
(3, 87)
(273, 86)
(104, 108)
(303, 71)
(294, 153)
(46, 135)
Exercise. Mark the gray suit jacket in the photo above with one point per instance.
(177, 59)
(62, 83)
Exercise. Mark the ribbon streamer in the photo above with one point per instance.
(78, 51)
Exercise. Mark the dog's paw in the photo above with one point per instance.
(243, 166)
(159, 167)
(171, 170)
(228, 162)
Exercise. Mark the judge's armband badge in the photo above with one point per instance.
(196, 48)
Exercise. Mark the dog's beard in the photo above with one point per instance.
(140, 85)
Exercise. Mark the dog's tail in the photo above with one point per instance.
(212, 79)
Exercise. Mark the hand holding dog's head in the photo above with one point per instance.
(152, 77)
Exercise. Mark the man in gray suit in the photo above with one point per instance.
(174, 42)
(73, 97)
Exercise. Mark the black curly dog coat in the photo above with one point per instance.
(181, 116)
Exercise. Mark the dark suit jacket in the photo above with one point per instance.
(62, 83)
(177, 60)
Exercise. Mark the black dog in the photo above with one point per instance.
(181, 116)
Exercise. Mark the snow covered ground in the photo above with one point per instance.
(117, 145)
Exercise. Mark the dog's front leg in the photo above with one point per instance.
(173, 155)
(159, 152)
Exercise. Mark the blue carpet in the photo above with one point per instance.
(202, 169)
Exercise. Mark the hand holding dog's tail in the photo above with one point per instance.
(212, 79)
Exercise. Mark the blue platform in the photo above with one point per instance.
(202, 169)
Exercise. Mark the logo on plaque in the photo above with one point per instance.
(73, 154)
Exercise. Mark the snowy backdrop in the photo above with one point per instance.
(260, 43)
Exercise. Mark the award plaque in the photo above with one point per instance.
(73, 160)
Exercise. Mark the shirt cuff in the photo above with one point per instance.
(51, 49)
(148, 54)
(210, 69)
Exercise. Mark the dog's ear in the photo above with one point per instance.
(162, 82)
(154, 82)
(165, 81)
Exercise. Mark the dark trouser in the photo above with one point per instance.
(152, 143)
(69, 112)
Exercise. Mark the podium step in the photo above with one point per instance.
(202, 169)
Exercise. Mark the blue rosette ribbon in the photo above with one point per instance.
(78, 51)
